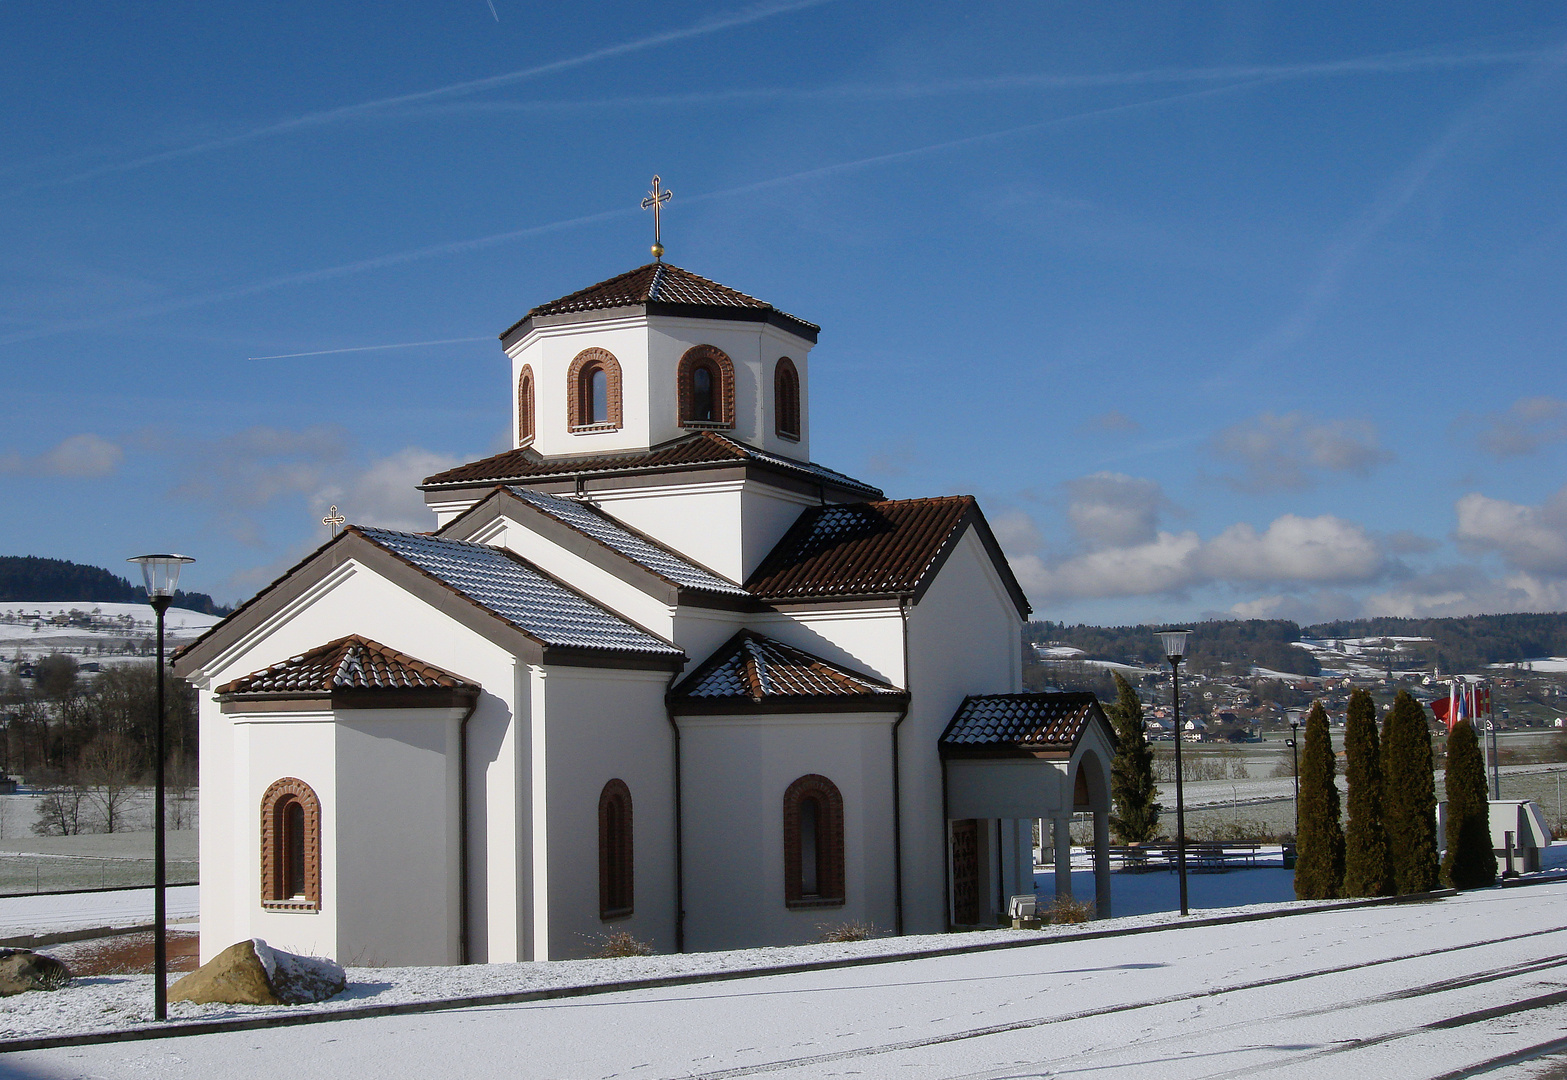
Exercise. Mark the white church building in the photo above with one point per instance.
(652, 671)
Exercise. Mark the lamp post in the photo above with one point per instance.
(161, 575)
(1175, 652)
(1294, 744)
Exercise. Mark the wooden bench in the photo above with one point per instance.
(1202, 856)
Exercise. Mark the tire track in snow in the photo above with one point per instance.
(1173, 999)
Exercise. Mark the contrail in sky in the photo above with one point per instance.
(373, 348)
(702, 28)
(1386, 63)
(492, 10)
(458, 246)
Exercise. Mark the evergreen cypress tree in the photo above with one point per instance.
(1368, 870)
(1409, 796)
(1470, 862)
(1319, 862)
(1136, 816)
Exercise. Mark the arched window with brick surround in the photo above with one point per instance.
(593, 392)
(786, 399)
(290, 847)
(525, 406)
(616, 881)
(813, 843)
(706, 385)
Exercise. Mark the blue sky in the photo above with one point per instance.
(1221, 309)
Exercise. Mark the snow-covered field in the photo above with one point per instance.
(53, 914)
(27, 628)
(1417, 990)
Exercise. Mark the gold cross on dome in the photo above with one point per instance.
(333, 519)
(654, 202)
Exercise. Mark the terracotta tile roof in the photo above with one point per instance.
(702, 449)
(1036, 721)
(350, 663)
(856, 549)
(662, 285)
(752, 668)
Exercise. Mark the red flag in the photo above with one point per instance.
(1439, 709)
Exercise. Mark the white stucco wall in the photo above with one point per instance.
(397, 841)
(598, 725)
(736, 770)
(352, 599)
(965, 637)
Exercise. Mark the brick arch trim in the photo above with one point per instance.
(829, 843)
(617, 894)
(716, 361)
(526, 417)
(786, 399)
(273, 805)
(576, 400)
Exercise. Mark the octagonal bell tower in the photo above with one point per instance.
(654, 354)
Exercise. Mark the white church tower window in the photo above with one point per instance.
(593, 396)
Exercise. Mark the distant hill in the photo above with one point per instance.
(1467, 643)
(30, 579)
(1238, 643)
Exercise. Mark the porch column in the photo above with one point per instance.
(1061, 829)
(1102, 864)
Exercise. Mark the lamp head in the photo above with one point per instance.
(161, 573)
(1174, 644)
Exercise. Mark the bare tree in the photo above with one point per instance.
(60, 812)
(109, 770)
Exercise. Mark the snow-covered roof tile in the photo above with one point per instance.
(593, 522)
(509, 587)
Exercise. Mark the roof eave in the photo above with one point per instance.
(805, 331)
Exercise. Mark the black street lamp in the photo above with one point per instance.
(161, 574)
(1175, 652)
(1294, 744)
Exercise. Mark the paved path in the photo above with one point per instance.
(1412, 991)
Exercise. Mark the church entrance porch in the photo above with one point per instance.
(1009, 761)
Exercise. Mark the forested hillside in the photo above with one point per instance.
(1463, 644)
(29, 579)
(1457, 644)
(1244, 642)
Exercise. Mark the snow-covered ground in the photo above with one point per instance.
(1415, 990)
(27, 629)
(54, 914)
(1556, 664)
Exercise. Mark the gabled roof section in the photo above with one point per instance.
(660, 288)
(751, 672)
(349, 663)
(640, 549)
(510, 588)
(705, 449)
(1035, 722)
(887, 548)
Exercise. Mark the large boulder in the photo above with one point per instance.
(253, 973)
(22, 970)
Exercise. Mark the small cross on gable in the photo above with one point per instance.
(334, 520)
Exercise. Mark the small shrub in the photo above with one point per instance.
(849, 931)
(621, 943)
(1065, 909)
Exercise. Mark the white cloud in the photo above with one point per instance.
(1530, 539)
(1523, 427)
(78, 457)
(1109, 510)
(1293, 548)
(1121, 551)
(385, 492)
(1291, 452)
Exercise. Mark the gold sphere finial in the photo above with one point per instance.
(658, 251)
